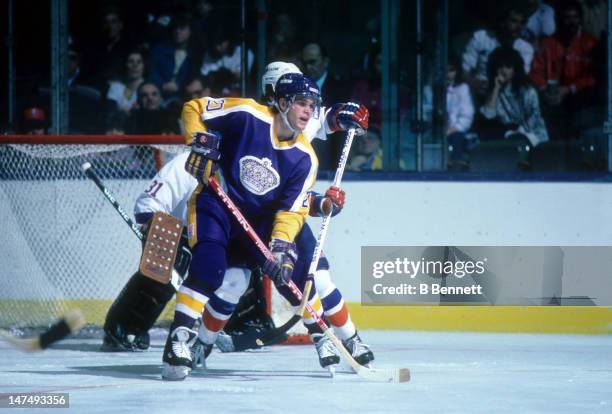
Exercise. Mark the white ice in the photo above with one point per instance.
(451, 373)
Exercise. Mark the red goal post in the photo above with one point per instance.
(63, 246)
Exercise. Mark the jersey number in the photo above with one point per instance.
(154, 188)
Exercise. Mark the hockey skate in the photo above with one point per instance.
(177, 354)
(199, 353)
(360, 351)
(328, 354)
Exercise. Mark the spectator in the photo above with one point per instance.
(194, 89)
(225, 53)
(483, 42)
(460, 112)
(108, 52)
(512, 108)
(75, 74)
(369, 90)
(124, 91)
(222, 82)
(203, 19)
(115, 122)
(150, 117)
(170, 63)
(368, 155)
(283, 44)
(159, 18)
(34, 121)
(315, 63)
(564, 60)
(562, 70)
(541, 21)
(84, 98)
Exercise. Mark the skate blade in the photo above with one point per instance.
(174, 373)
(331, 370)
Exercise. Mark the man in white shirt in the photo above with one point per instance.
(483, 42)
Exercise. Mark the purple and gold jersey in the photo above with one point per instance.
(265, 177)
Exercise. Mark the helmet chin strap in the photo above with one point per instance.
(285, 120)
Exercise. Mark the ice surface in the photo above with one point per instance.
(451, 373)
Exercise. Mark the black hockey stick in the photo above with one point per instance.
(254, 339)
(70, 323)
(90, 173)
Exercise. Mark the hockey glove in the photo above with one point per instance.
(204, 155)
(281, 268)
(344, 116)
(332, 202)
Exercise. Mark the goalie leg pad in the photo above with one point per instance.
(134, 312)
(159, 252)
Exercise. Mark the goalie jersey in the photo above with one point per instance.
(168, 192)
(265, 177)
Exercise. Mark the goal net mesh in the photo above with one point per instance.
(63, 245)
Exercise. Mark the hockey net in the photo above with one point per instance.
(63, 245)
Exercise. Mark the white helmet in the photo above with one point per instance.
(274, 71)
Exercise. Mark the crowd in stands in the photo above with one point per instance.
(532, 75)
(533, 79)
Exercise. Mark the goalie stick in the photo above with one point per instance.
(90, 173)
(372, 374)
(70, 323)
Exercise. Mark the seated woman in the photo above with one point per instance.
(512, 109)
(123, 92)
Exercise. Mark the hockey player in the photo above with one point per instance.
(340, 117)
(142, 300)
(268, 168)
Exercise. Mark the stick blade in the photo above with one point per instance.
(23, 344)
(393, 375)
(70, 323)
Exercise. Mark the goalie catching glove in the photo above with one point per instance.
(281, 268)
(204, 155)
(344, 116)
